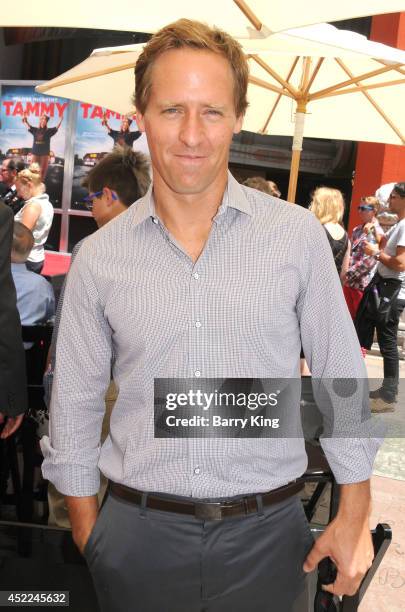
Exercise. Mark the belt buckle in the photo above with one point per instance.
(207, 511)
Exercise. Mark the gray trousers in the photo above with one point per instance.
(146, 560)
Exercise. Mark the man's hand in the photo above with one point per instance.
(347, 541)
(350, 547)
(371, 249)
(83, 513)
(12, 424)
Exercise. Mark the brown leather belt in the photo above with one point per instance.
(207, 511)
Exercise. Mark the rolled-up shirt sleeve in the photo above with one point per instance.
(82, 375)
(339, 375)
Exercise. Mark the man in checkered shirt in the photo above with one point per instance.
(202, 279)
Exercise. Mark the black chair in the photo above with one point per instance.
(36, 357)
(23, 484)
(9, 469)
(320, 474)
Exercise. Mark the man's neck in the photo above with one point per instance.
(181, 210)
(188, 217)
(117, 209)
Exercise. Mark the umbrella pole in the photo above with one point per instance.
(296, 151)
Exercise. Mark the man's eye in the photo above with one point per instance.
(171, 111)
(214, 112)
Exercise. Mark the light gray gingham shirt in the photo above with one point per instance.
(266, 272)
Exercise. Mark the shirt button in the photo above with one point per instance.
(155, 220)
(197, 470)
(197, 373)
(198, 323)
(196, 275)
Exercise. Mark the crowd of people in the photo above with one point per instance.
(195, 277)
(371, 268)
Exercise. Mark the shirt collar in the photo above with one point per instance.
(234, 197)
(144, 207)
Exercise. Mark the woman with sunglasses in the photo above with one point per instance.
(362, 266)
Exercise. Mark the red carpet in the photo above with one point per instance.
(55, 263)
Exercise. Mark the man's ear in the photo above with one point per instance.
(140, 122)
(107, 192)
(238, 125)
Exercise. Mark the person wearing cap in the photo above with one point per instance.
(42, 141)
(362, 266)
(202, 279)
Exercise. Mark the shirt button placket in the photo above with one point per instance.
(195, 337)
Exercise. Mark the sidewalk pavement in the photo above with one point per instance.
(386, 593)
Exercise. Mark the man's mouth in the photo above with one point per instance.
(188, 156)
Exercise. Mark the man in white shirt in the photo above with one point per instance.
(390, 255)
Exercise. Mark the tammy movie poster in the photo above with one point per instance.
(22, 135)
(97, 131)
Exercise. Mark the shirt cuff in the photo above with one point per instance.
(351, 459)
(73, 479)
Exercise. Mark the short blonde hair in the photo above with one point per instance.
(30, 175)
(328, 205)
(186, 33)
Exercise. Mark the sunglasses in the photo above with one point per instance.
(88, 200)
(364, 207)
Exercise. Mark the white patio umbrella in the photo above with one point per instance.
(332, 75)
(342, 97)
(242, 18)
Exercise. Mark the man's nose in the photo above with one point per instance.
(192, 130)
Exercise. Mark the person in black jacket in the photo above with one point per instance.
(8, 176)
(13, 394)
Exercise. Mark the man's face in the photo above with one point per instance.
(42, 122)
(396, 203)
(366, 216)
(190, 119)
(7, 176)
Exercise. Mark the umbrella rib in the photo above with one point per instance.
(374, 104)
(96, 73)
(280, 95)
(397, 68)
(368, 75)
(361, 88)
(265, 85)
(305, 76)
(293, 92)
(249, 14)
(312, 79)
